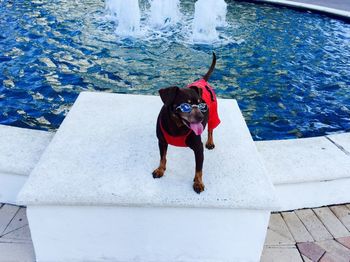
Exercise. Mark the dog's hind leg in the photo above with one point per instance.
(210, 142)
(159, 172)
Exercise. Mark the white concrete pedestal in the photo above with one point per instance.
(150, 234)
(92, 196)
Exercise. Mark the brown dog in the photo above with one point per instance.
(182, 119)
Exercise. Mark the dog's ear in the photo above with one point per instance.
(198, 90)
(168, 94)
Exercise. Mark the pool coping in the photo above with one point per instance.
(41, 139)
(12, 184)
(306, 160)
(332, 12)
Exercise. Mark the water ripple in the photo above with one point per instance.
(288, 70)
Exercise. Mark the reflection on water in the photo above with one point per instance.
(288, 70)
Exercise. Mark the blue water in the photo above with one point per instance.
(289, 70)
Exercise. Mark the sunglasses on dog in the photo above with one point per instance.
(187, 108)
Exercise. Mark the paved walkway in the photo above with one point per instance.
(15, 240)
(319, 234)
(343, 5)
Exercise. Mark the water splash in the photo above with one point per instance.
(164, 13)
(126, 15)
(165, 18)
(208, 16)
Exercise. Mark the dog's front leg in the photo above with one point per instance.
(159, 172)
(210, 142)
(197, 148)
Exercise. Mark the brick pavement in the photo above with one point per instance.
(318, 234)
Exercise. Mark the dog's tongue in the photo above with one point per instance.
(197, 128)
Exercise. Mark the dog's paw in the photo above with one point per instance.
(158, 173)
(198, 187)
(210, 146)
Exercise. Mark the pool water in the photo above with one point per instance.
(288, 70)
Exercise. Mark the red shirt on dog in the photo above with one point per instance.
(209, 97)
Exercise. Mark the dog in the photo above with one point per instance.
(182, 119)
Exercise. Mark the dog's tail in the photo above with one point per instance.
(211, 69)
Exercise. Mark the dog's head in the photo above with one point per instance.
(188, 105)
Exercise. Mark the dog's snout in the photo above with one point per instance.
(199, 118)
(197, 115)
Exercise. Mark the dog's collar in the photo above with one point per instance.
(174, 140)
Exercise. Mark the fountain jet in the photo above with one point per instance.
(164, 13)
(126, 14)
(208, 16)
